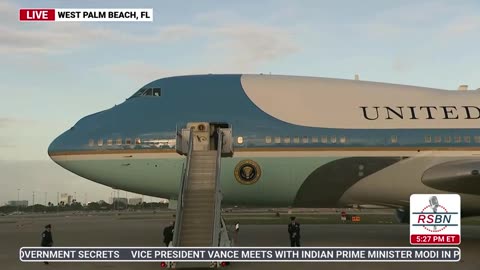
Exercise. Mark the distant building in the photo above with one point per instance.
(135, 201)
(101, 202)
(18, 203)
(119, 200)
(66, 199)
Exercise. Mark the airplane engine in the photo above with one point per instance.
(460, 176)
(402, 215)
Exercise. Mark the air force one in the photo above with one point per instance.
(296, 141)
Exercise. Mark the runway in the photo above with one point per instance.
(113, 230)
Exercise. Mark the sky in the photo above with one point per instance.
(52, 74)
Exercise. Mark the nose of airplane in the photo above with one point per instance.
(59, 145)
(77, 137)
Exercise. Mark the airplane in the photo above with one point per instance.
(307, 141)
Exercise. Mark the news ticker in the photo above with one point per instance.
(86, 14)
(241, 254)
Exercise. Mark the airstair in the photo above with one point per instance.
(198, 217)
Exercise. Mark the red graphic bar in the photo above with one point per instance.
(36, 14)
(435, 239)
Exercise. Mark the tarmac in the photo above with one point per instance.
(124, 230)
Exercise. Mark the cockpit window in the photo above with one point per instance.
(139, 92)
(148, 92)
(155, 92)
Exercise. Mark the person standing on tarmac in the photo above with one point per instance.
(294, 232)
(47, 239)
(168, 234)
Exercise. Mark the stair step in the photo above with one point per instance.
(197, 237)
(201, 177)
(203, 238)
(210, 200)
(196, 215)
(207, 186)
(192, 230)
(200, 181)
(202, 160)
(190, 225)
(187, 243)
(201, 187)
(204, 153)
(203, 166)
(199, 197)
(201, 172)
(197, 220)
(202, 204)
(199, 194)
(197, 167)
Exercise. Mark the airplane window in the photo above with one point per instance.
(109, 142)
(448, 139)
(394, 139)
(277, 140)
(91, 142)
(438, 139)
(333, 139)
(286, 140)
(466, 139)
(458, 139)
(476, 139)
(240, 140)
(314, 139)
(305, 139)
(268, 139)
(128, 141)
(138, 141)
(428, 138)
(100, 142)
(119, 141)
(324, 139)
(343, 139)
(296, 139)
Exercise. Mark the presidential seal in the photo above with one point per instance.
(247, 172)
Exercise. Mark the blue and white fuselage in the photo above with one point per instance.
(319, 142)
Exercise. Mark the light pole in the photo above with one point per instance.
(18, 199)
(33, 201)
(46, 193)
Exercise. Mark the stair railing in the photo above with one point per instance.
(182, 190)
(218, 193)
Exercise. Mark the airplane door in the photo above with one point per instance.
(227, 148)
(201, 135)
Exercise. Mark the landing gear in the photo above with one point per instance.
(402, 215)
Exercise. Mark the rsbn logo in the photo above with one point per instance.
(435, 219)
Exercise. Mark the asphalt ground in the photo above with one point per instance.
(146, 230)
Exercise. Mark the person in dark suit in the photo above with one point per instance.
(294, 232)
(168, 234)
(47, 239)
